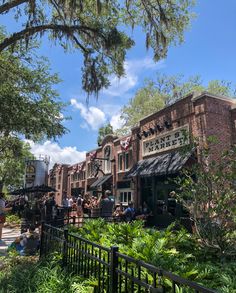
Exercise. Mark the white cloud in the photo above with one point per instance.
(133, 68)
(67, 155)
(94, 117)
(116, 121)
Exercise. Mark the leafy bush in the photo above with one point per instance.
(175, 251)
(12, 219)
(28, 275)
(206, 190)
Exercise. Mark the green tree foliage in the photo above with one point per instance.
(165, 90)
(208, 191)
(29, 103)
(13, 153)
(146, 101)
(103, 131)
(96, 29)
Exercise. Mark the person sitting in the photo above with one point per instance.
(118, 210)
(16, 245)
(30, 242)
(129, 212)
(144, 212)
(118, 213)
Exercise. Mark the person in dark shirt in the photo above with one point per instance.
(86, 205)
(49, 206)
(106, 205)
(27, 217)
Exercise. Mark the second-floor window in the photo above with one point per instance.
(90, 170)
(124, 161)
(120, 162)
(107, 156)
(81, 175)
(127, 159)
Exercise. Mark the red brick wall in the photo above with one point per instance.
(206, 116)
(233, 125)
(218, 123)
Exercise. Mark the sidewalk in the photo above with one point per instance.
(8, 236)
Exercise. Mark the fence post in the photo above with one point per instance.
(113, 267)
(74, 218)
(64, 253)
(41, 250)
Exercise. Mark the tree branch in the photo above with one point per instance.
(7, 6)
(30, 31)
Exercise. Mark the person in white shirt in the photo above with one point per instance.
(3, 210)
(70, 202)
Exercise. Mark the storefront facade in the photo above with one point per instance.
(138, 167)
(165, 144)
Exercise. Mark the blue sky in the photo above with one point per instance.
(209, 50)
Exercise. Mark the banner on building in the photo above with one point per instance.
(125, 143)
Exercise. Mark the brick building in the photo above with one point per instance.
(137, 167)
(76, 179)
(57, 179)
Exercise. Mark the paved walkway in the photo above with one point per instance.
(8, 236)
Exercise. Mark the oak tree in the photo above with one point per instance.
(13, 153)
(29, 103)
(99, 29)
(165, 90)
(103, 131)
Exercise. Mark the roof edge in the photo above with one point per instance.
(200, 95)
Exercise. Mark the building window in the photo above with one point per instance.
(107, 156)
(128, 157)
(75, 177)
(125, 196)
(120, 162)
(126, 161)
(91, 169)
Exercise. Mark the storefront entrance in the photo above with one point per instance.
(156, 192)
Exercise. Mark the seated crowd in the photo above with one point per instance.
(104, 206)
(87, 206)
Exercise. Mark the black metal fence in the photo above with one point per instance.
(115, 272)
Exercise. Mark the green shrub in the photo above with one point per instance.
(28, 275)
(12, 219)
(175, 251)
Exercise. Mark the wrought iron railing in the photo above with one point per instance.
(115, 272)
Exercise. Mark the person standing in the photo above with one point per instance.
(50, 204)
(106, 205)
(79, 206)
(3, 210)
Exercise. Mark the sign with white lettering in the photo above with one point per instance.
(167, 141)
